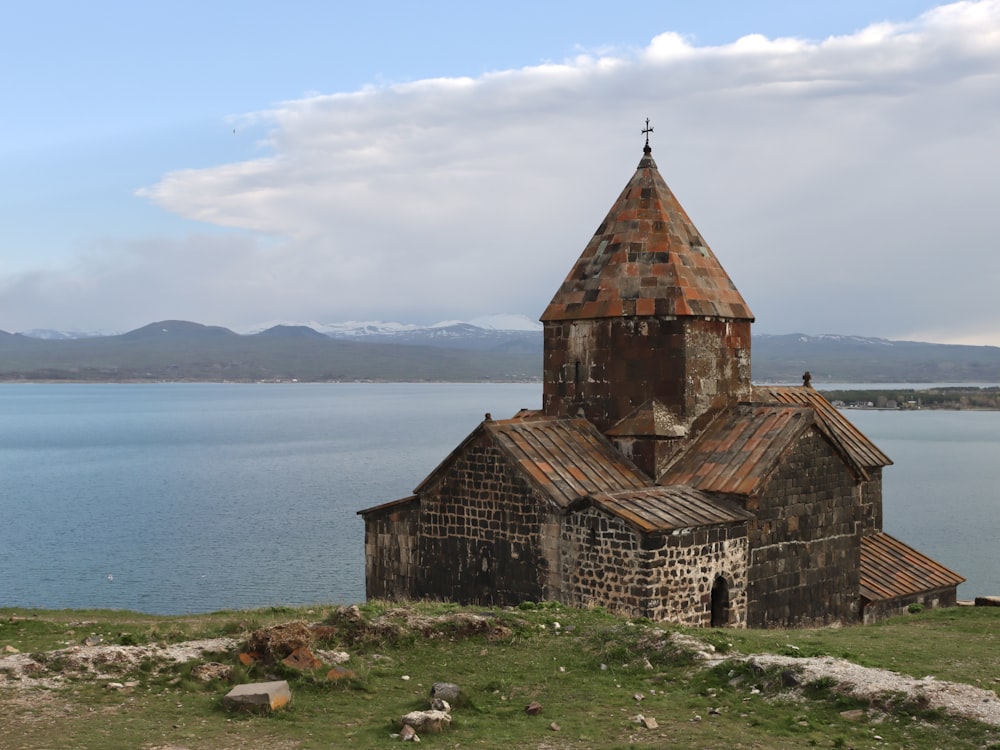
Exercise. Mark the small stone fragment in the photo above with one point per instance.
(554, 727)
(93, 640)
(10, 649)
(439, 704)
(446, 691)
(302, 659)
(637, 697)
(408, 734)
(332, 658)
(533, 709)
(258, 696)
(649, 722)
(855, 714)
(427, 721)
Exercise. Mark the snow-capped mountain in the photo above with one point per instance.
(49, 334)
(485, 325)
(500, 332)
(507, 333)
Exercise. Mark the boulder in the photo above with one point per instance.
(446, 691)
(302, 659)
(279, 641)
(427, 721)
(258, 696)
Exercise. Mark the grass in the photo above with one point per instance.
(592, 672)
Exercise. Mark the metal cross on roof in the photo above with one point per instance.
(646, 131)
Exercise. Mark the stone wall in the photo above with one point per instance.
(603, 563)
(805, 542)
(883, 609)
(871, 502)
(607, 367)
(391, 534)
(609, 563)
(481, 526)
(684, 570)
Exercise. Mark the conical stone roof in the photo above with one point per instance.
(647, 259)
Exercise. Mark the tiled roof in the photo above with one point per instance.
(662, 509)
(740, 448)
(566, 458)
(392, 504)
(647, 259)
(891, 569)
(858, 449)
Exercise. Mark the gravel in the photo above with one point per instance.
(869, 683)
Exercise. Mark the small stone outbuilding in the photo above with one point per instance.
(656, 480)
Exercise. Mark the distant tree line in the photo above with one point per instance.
(952, 397)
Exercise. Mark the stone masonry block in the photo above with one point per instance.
(258, 696)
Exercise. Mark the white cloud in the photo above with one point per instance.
(847, 185)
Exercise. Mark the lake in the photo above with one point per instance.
(177, 498)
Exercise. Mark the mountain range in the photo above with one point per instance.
(497, 348)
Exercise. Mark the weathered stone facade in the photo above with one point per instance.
(806, 543)
(606, 368)
(392, 533)
(481, 532)
(656, 481)
(608, 563)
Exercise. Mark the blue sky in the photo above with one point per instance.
(240, 163)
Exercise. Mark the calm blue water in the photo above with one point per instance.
(197, 497)
(942, 493)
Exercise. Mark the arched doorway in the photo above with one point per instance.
(720, 603)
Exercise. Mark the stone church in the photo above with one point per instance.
(656, 480)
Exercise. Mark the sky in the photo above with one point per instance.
(241, 163)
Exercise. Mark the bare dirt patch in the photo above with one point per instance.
(51, 668)
(868, 683)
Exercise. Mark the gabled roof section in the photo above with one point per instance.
(740, 448)
(650, 419)
(861, 452)
(648, 259)
(566, 458)
(891, 569)
(400, 504)
(664, 509)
